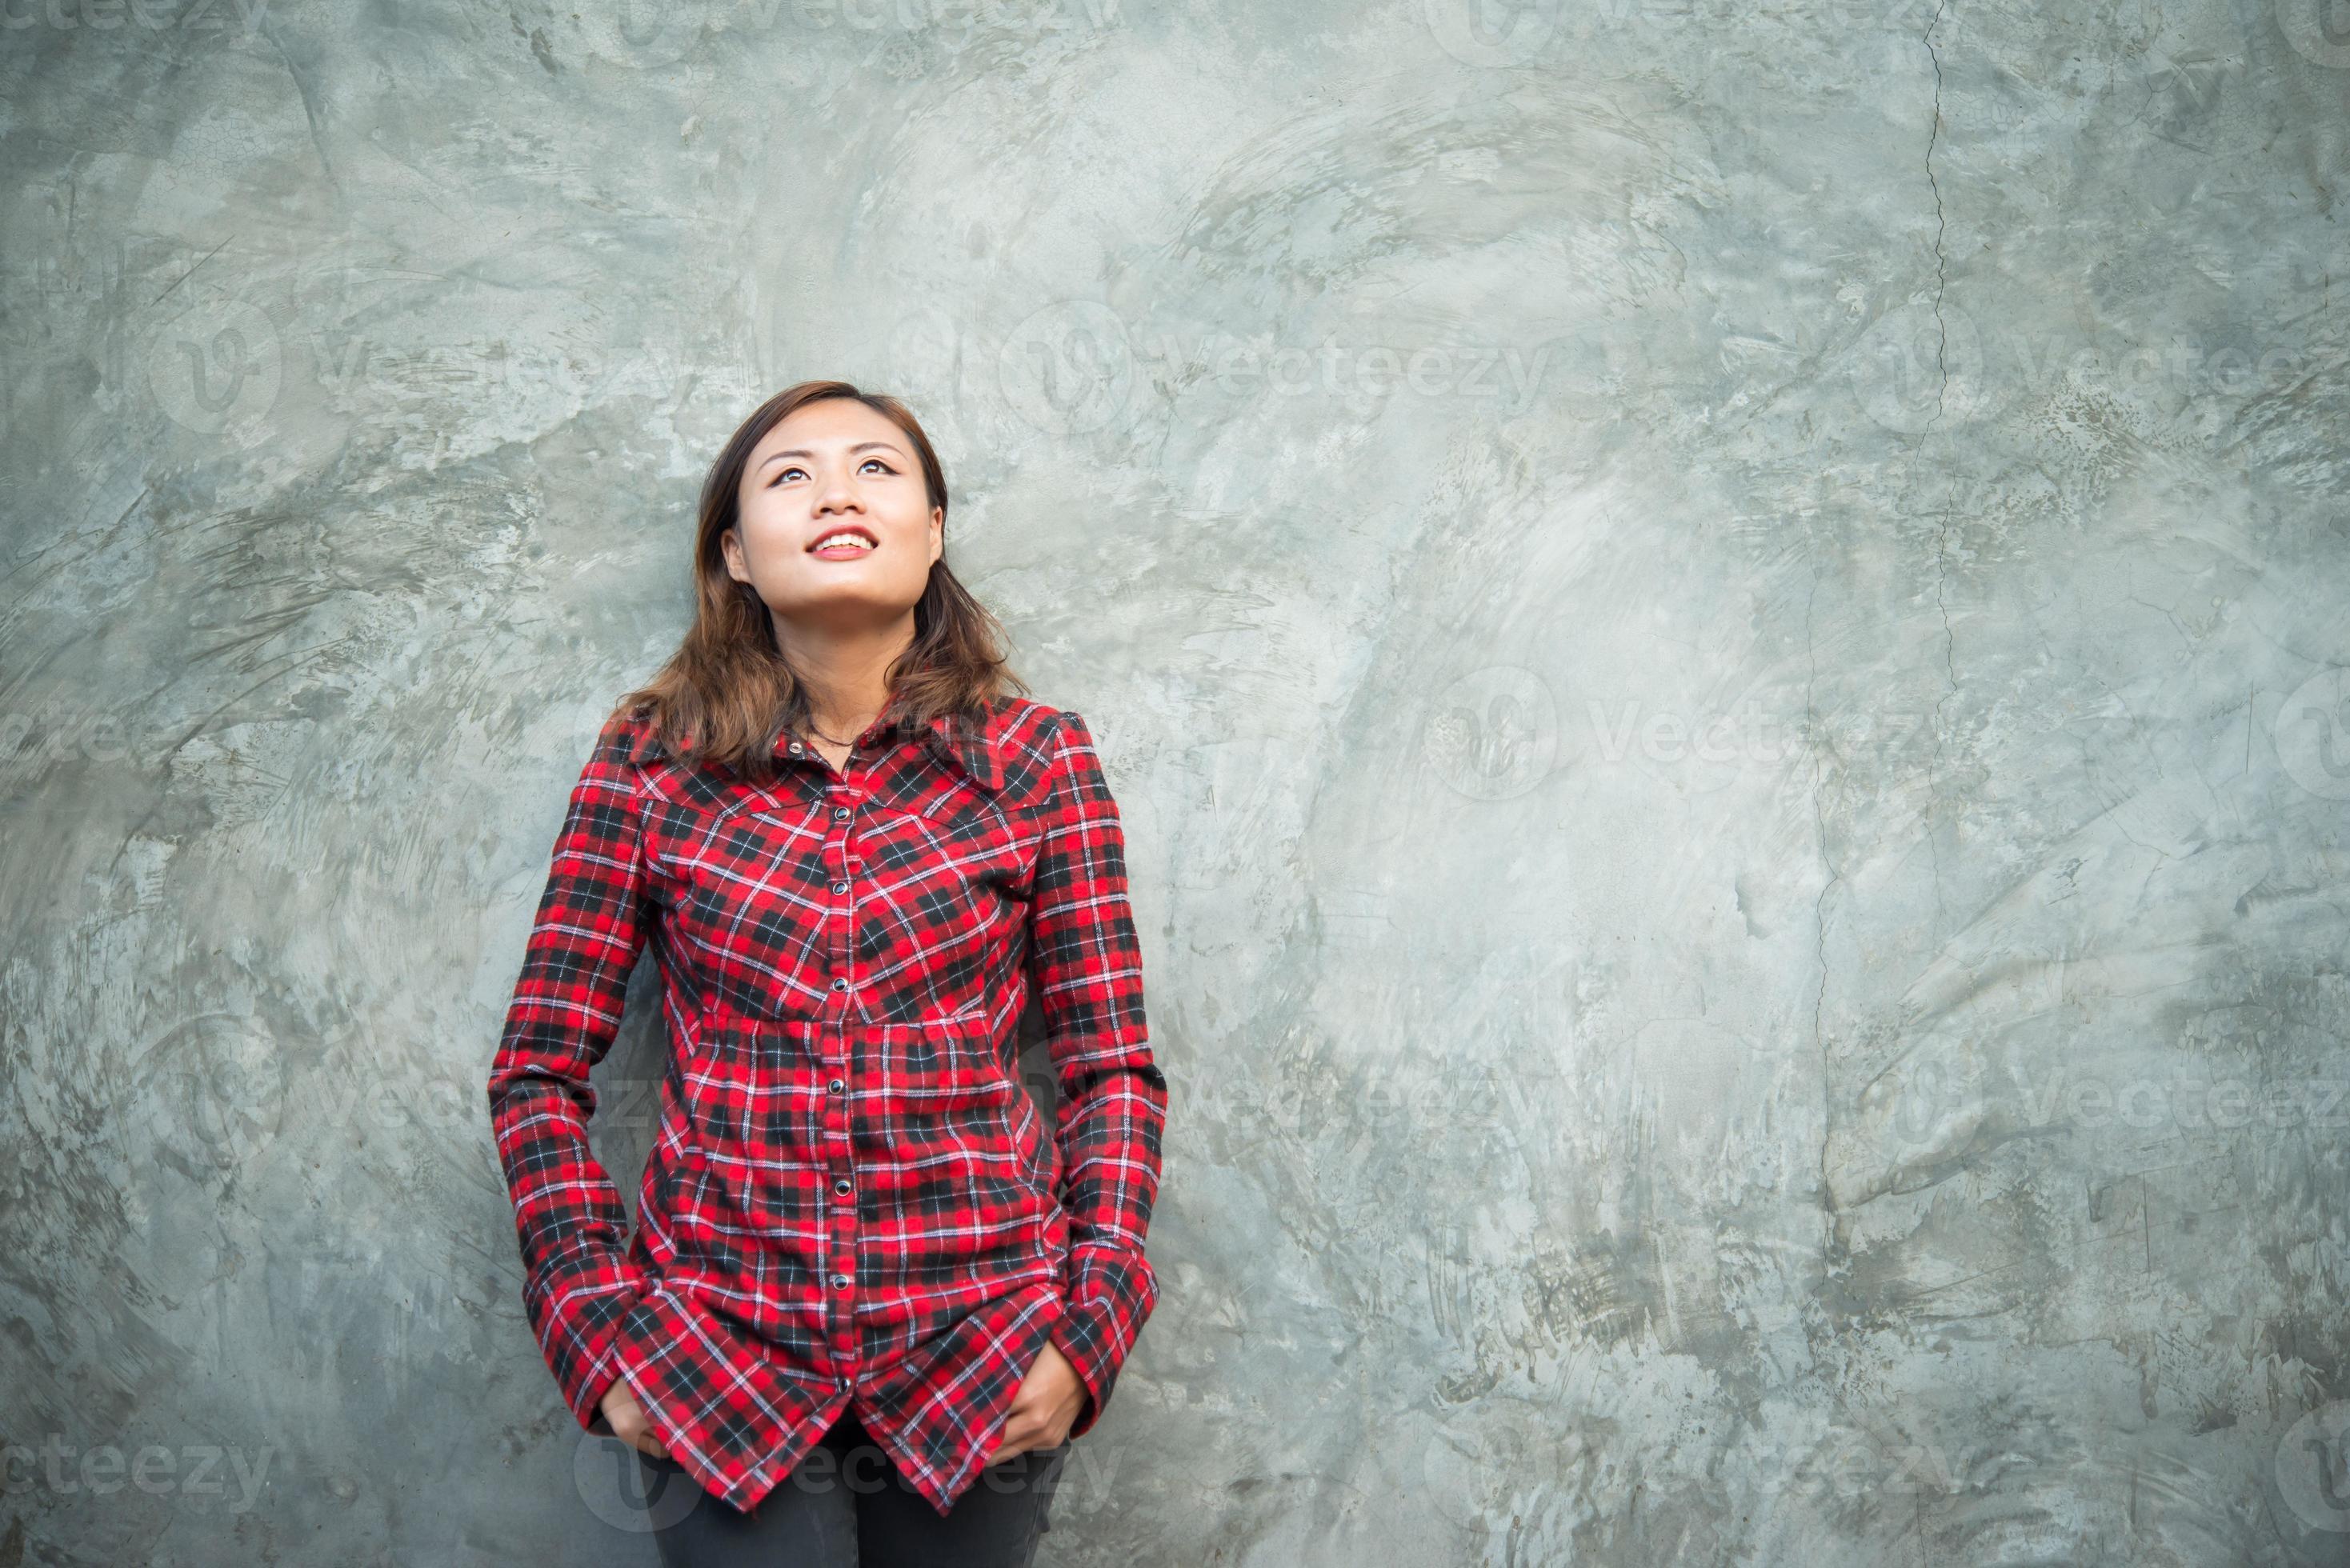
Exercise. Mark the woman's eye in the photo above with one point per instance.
(788, 473)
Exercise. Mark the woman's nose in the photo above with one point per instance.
(836, 493)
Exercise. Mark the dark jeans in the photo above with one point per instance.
(847, 1506)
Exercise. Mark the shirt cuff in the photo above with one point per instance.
(1103, 1307)
(584, 1333)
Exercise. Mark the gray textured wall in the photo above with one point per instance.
(1722, 630)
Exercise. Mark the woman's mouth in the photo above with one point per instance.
(844, 544)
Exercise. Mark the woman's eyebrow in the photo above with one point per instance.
(803, 451)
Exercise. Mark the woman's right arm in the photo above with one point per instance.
(592, 923)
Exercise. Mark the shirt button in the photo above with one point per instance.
(841, 1282)
(840, 887)
(838, 1087)
(840, 983)
(797, 747)
(841, 1185)
(841, 813)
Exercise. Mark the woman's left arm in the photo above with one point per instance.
(594, 920)
(1087, 967)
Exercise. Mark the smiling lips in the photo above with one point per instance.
(844, 544)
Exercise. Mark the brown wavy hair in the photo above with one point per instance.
(728, 693)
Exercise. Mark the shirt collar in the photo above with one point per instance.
(962, 743)
(965, 744)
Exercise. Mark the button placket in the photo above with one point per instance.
(844, 795)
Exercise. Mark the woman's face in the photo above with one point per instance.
(836, 474)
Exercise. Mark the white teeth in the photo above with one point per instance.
(838, 540)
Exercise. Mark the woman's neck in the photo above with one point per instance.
(846, 676)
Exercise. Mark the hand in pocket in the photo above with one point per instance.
(630, 1422)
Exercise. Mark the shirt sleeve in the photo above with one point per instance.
(1087, 967)
(592, 923)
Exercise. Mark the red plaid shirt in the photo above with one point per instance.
(850, 1201)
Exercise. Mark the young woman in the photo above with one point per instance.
(870, 1296)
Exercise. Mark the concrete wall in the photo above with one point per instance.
(1722, 631)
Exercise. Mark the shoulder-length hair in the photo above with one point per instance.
(728, 693)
